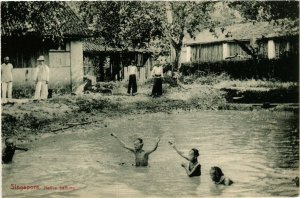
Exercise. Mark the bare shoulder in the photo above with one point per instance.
(228, 181)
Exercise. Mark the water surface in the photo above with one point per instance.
(258, 150)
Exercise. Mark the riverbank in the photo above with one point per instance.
(23, 118)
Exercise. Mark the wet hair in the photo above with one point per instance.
(8, 138)
(139, 139)
(217, 171)
(196, 152)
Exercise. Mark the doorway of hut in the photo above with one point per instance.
(113, 66)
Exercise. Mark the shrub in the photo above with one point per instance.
(285, 69)
(89, 105)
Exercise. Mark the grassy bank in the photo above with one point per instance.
(62, 110)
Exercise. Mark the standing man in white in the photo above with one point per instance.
(132, 84)
(6, 79)
(42, 79)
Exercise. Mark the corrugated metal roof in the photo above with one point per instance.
(95, 45)
(75, 26)
(243, 31)
(70, 23)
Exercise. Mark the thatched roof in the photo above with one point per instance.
(243, 31)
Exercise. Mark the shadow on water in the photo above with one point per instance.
(257, 150)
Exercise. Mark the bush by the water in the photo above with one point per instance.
(89, 105)
(204, 79)
(285, 69)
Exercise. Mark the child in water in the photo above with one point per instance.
(9, 151)
(141, 156)
(193, 168)
(218, 177)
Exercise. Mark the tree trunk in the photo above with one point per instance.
(176, 64)
(177, 61)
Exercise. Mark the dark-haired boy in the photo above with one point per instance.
(141, 156)
(217, 176)
(9, 151)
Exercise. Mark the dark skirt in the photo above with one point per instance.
(132, 84)
(157, 87)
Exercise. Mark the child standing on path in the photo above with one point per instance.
(132, 85)
(193, 168)
(157, 74)
(141, 156)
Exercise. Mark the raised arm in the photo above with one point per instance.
(155, 146)
(122, 143)
(22, 149)
(179, 152)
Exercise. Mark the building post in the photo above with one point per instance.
(76, 52)
(226, 52)
(271, 49)
(188, 54)
(288, 46)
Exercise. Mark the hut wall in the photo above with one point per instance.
(207, 52)
(234, 48)
(60, 62)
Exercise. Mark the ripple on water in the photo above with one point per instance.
(257, 150)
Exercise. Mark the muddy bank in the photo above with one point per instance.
(239, 95)
(62, 112)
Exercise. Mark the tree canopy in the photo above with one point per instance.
(267, 10)
(53, 19)
(122, 23)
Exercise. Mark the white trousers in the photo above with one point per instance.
(6, 88)
(41, 90)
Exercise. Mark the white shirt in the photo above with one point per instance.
(132, 69)
(157, 71)
(6, 72)
(42, 73)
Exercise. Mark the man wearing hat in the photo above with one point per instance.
(42, 79)
(6, 79)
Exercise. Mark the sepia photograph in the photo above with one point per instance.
(149, 99)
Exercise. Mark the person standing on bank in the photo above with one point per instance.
(42, 79)
(6, 79)
(132, 73)
(157, 74)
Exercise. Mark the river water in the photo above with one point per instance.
(258, 150)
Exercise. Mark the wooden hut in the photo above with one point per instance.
(65, 58)
(110, 64)
(272, 42)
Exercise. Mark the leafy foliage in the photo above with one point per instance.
(267, 10)
(53, 19)
(247, 69)
(282, 14)
(122, 24)
(146, 24)
(185, 17)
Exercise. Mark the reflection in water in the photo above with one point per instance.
(258, 150)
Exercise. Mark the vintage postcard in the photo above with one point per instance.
(150, 99)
